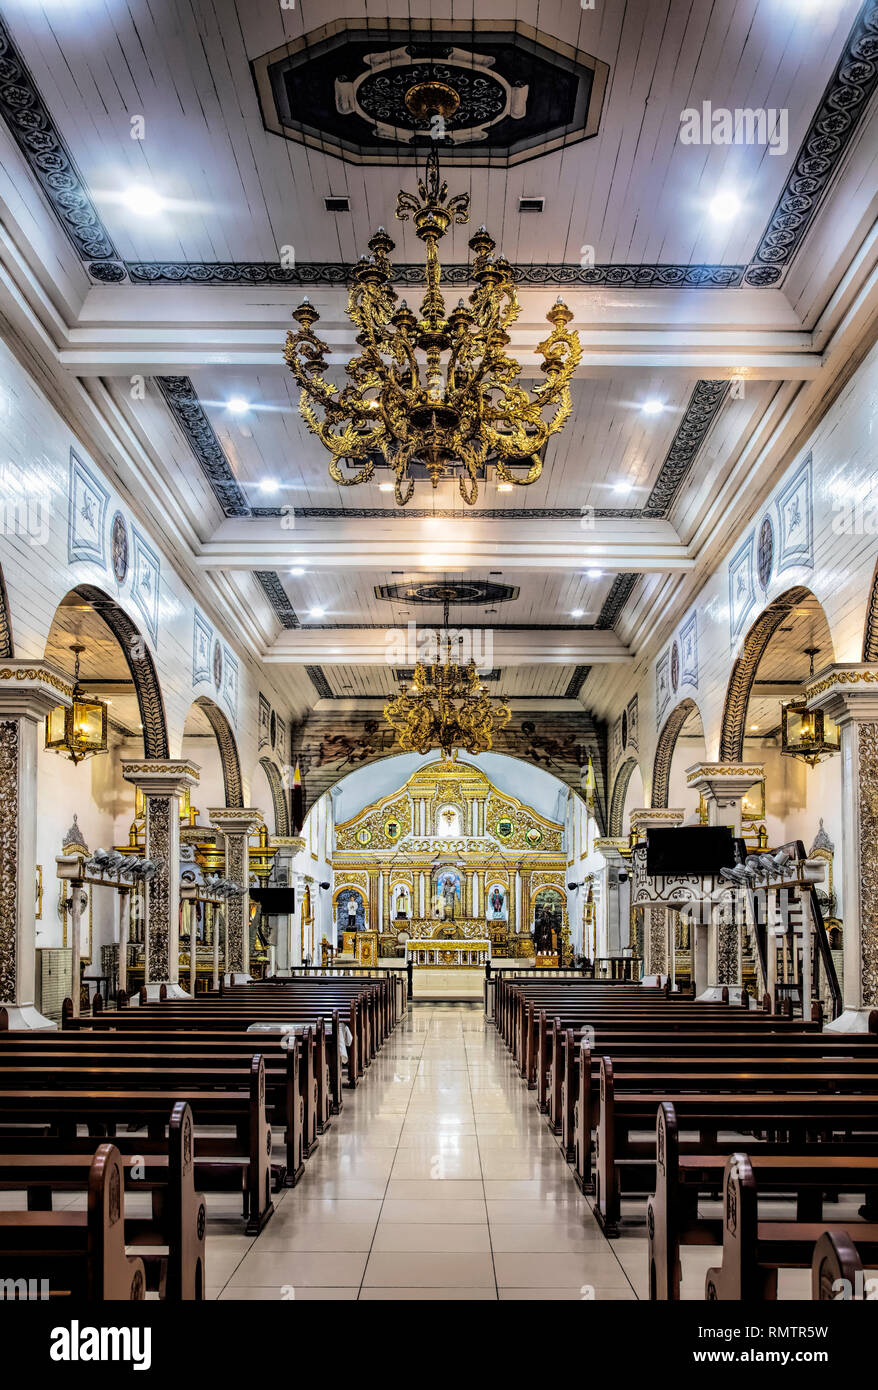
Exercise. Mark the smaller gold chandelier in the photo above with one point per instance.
(446, 706)
(79, 729)
(807, 733)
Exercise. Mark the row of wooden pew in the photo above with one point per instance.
(171, 1099)
(679, 1102)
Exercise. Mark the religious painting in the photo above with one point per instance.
(497, 909)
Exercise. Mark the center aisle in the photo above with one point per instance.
(439, 1180)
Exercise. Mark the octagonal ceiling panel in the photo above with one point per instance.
(342, 88)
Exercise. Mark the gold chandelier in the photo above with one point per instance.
(438, 392)
(447, 707)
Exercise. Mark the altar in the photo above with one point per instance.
(433, 952)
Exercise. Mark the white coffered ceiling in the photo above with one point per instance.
(679, 304)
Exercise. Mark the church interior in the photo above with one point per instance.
(439, 653)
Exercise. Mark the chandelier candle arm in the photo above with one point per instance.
(436, 393)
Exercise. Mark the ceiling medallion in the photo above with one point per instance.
(437, 391)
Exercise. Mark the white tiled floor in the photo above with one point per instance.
(439, 1180)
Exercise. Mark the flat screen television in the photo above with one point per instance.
(689, 849)
(274, 901)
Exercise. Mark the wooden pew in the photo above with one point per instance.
(222, 1163)
(754, 1250)
(80, 1254)
(673, 1218)
(806, 1118)
(42, 1166)
(837, 1269)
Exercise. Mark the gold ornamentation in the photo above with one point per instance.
(447, 707)
(439, 391)
(757, 772)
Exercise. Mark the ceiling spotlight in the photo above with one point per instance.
(653, 406)
(724, 206)
(143, 201)
(622, 488)
(593, 574)
(385, 487)
(269, 485)
(238, 406)
(317, 613)
(504, 487)
(297, 571)
(577, 613)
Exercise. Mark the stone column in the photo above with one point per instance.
(27, 693)
(237, 824)
(849, 695)
(657, 922)
(617, 893)
(723, 786)
(163, 782)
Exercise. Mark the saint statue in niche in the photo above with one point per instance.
(497, 903)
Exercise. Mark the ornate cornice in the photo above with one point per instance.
(37, 675)
(277, 596)
(830, 133)
(838, 676)
(700, 413)
(319, 682)
(703, 771)
(576, 682)
(306, 273)
(183, 402)
(51, 163)
(158, 768)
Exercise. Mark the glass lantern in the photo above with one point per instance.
(79, 729)
(807, 733)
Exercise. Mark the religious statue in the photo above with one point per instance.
(496, 902)
(352, 914)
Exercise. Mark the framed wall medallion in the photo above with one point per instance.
(119, 549)
(217, 664)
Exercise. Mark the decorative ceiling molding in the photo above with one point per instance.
(456, 591)
(822, 150)
(187, 409)
(577, 681)
(308, 273)
(48, 157)
(700, 413)
(449, 514)
(319, 682)
(620, 592)
(277, 597)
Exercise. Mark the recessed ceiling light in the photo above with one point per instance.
(317, 613)
(269, 485)
(593, 574)
(622, 487)
(385, 487)
(504, 487)
(724, 206)
(297, 571)
(142, 200)
(237, 405)
(754, 727)
(577, 613)
(653, 406)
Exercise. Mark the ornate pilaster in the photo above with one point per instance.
(724, 786)
(237, 824)
(27, 693)
(849, 695)
(287, 846)
(657, 924)
(163, 782)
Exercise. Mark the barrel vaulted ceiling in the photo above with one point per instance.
(721, 292)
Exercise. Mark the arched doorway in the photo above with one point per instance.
(6, 644)
(776, 616)
(280, 806)
(682, 734)
(619, 801)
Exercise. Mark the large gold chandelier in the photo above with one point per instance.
(447, 707)
(437, 391)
